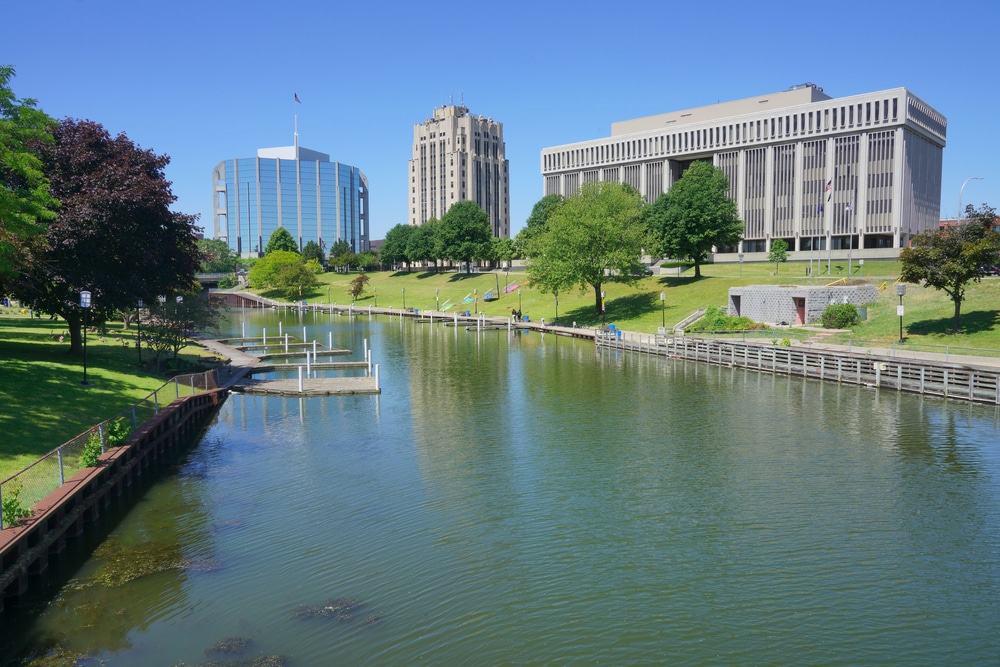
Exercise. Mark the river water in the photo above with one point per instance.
(525, 499)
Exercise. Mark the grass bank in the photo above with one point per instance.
(44, 402)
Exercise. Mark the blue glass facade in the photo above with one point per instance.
(315, 200)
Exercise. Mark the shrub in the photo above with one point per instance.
(840, 316)
(716, 319)
(227, 282)
(92, 450)
(13, 510)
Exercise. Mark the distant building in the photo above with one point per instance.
(291, 187)
(458, 157)
(860, 173)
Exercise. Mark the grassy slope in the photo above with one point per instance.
(44, 402)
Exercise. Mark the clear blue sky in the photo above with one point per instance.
(206, 81)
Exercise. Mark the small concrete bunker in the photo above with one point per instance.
(794, 304)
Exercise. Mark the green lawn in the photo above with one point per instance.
(44, 402)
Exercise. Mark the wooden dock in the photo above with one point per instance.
(340, 386)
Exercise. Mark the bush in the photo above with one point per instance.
(716, 319)
(840, 316)
(13, 509)
(227, 282)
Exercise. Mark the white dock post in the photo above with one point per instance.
(300, 378)
(366, 348)
(244, 331)
(308, 365)
(376, 378)
(331, 340)
(455, 314)
(286, 343)
(265, 339)
(314, 348)
(304, 334)
(369, 360)
(279, 329)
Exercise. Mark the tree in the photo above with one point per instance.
(358, 286)
(114, 235)
(778, 253)
(292, 279)
(465, 233)
(502, 250)
(695, 215)
(170, 325)
(594, 237)
(537, 221)
(394, 246)
(217, 256)
(25, 201)
(949, 259)
(341, 256)
(281, 239)
(367, 260)
(264, 272)
(311, 250)
(424, 243)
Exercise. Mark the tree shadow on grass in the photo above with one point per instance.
(973, 322)
(629, 307)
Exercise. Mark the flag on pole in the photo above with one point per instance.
(297, 98)
(829, 184)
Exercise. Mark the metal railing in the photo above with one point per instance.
(32, 484)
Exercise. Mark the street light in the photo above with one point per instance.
(741, 265)
(475, 295)
(437, 298)
(900, 291)
(518, 302)
(138, 327)
(556, 293)
(603, 294)
(404, 298)
(960, 191)
(85, 304)
(663, 309)
(180, 299)
(375, 296)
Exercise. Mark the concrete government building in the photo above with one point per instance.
(291, 187)
(458, 157)
(857, 174)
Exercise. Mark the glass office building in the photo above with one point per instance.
(291, 187)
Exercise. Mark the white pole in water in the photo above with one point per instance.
(279, 328)
(300, 378)
(303, 334)
(314, 348)
(455, 314)
(286, 343)
(265, 338)
(369, 360)
(244, 330)
(376, 377)
(365, 348)
(308, 365)
(331, 340)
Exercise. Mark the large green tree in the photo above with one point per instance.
(424, 244)
(465, 233)
(595, 237)
(114, 235)
(311, 250)
(537, 221)
(695, 215)
(394, 247)
(949, 259)
(25, 201)
(281, 239)
(217, 256)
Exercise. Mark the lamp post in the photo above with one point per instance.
(518, 302)
(960, 191)
(556, 293)
(663, 309)
(328, 294)
(138, 327)
(85, 304)
(603, 294)
(404, 298)
(900, 291)
(375, 295)
(475, 298)
(741, 264)
(437, 298)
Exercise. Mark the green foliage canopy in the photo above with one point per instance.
(465, 233)
(695, 215)
(396, 241)
(25, 200)
(594, 237)
(311, 250)
(281, 239)
(217, 256)
(778, 252)
(949, 259)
